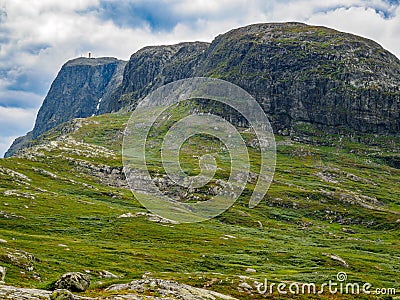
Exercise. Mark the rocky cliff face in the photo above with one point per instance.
(306, 74)
(78, 91)
(303, 76)
(152, 67)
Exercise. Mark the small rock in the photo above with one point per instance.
(146, 275)
(2, 274)
(127, 215)
(73, 281)
(347, 230)
(245, 285)
(149, 217)
(250, 270)
(107, 274)
(61, 295)
(3, 241)
(36, 276)
(338, 259)
(230, 236)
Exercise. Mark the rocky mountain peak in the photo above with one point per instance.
(85, 61)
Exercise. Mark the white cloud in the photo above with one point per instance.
(365, 22)
(13, 123)
(13, 98)
(12, 120)
(5, 142)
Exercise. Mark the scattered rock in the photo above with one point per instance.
(127, 215)
(149, 217)
(250, 270)
(338, 259)
(146, 275)
(19, 258)
(17, 193)
(347, 230)
(73, 281)
(328, 177)
(107, 274)
(7, 215)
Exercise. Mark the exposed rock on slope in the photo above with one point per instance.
(135, 290)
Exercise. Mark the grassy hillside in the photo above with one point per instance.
(329, 209)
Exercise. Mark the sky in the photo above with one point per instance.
(38, 36)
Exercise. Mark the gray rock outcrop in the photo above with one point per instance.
(168, 289)
(73, 281)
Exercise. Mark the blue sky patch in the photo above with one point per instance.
(157, 15)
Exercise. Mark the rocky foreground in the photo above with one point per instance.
(138, 289)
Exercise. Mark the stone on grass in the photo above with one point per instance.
(61, 295)
(250, 270)
(2, 274)
(73, 281)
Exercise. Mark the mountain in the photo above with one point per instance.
(298, 73)
(311, 75)
(308, 79)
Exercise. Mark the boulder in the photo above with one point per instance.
(74, 282)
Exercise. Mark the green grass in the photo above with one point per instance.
(341, 199)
